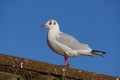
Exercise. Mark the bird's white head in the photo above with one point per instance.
(51, 24)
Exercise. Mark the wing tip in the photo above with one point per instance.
(99, 51)
(96, 52)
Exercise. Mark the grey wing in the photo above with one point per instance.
(71, 42)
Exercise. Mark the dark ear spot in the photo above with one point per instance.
(54, 23)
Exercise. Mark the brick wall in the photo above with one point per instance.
(15, 68)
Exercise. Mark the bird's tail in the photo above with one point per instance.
(95, 52)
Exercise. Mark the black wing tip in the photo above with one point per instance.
(104, 52)
(99, 51)
(95, 52)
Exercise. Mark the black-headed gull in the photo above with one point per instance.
(65, 44)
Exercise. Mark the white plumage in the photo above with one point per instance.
(65, 44)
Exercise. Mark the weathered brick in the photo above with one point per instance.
(15, 68)
(9, 76)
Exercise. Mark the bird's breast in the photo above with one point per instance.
(52, 43)
(55, 47)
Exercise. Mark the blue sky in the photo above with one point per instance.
(95, 22)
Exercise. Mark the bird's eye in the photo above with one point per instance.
(54, 23)
(50, 23)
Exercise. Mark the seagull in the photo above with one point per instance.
(65, 44)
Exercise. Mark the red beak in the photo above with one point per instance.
(43, 25)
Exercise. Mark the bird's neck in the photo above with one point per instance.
(54, 30)
(52, 33)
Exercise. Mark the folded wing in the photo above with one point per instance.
(71, 42)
